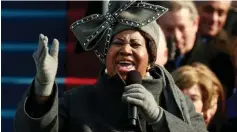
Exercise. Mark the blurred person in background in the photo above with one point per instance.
(232, 101)
(231, 22)
(180, 25)
(215, 47)
(162, 50)
(213, 16)
(205, 90)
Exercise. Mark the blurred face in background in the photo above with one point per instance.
(213, 16)
(180, 24)
(195, 94)
(202, 86)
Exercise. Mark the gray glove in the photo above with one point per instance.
(137, 95)
(46, 66)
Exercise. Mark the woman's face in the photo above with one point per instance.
(195, 94)
(127, 52)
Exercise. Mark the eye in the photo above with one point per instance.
(221, 12)
(181, 28)
(195, 98)
(135, 44)
(117, 42)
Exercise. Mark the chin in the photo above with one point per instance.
(213, 33)
(210, 33)
(207, 122)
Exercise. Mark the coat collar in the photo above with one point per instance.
(112, 110)
(114, 86)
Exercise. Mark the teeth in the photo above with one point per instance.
(125, 62)
(126, 65)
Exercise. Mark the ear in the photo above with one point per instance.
(166, 52)
(196, 24)
(148, 68)
(166, 55)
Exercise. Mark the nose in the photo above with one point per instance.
(214, 17)
(126, 50)
(178, 37)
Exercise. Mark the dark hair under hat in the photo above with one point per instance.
(94, 32)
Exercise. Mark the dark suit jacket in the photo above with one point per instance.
(216, 55)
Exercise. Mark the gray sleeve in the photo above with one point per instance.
(171, 123)
(26, 121)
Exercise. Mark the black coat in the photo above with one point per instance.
(99, 108)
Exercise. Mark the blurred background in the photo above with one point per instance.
(23, 21)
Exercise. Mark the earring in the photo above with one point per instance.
(148, 68)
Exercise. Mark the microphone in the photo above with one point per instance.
(133, 77)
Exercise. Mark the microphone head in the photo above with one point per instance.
(133, 77)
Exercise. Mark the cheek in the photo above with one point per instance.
(189, 38)
(111, 54)
(222, 20)
(214, 109)
(198, 105)
(142, 61)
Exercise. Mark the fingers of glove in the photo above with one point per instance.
(134, 90)
(35, 56)
(134, 101)
(40, 46)
(45, 50)
(38, 52)
(54, 49)
(133, 86)
(139, 96)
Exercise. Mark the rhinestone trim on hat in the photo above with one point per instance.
(109, 19)
(156, 8)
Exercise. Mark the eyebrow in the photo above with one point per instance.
(195, 95)
(131, 40)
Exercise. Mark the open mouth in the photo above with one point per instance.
(125, 66)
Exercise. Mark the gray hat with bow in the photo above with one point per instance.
(94, 32)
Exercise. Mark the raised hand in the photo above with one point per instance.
(46, 65)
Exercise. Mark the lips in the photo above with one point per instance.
(125, 66)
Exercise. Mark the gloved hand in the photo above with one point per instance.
(137, 95)
(46, 66)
